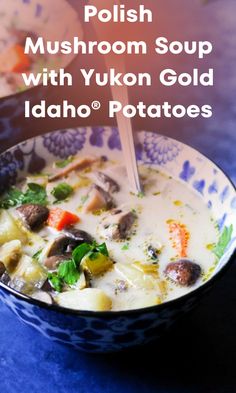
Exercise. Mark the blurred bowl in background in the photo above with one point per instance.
(52, 20)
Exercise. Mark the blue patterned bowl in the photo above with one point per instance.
(53, 20)
(113, 331)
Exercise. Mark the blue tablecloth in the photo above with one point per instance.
(199, 353)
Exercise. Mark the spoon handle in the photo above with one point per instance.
(120, 93)
(126, 136)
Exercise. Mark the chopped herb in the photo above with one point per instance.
(170, 221)
(55, 281)
(156, 193)
(64, 163)
(93, 255)
(99, 212)
(140, 195)
(210, 246)
(223, 242)
(62, 191)
(84, 198)
(85, 248)
(34, 194)
(68, 272)
(102, 248)
(208, 274)
(153, 253)
(134, 211)
(12, 198)
(37, 254)
(125, 247)
(80, 251)
(178, 203)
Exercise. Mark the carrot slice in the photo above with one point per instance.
(22, 60)
(14, 60)
(59, 218)
(180, 237)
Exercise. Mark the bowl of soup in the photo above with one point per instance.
(90, 263)
(31, 20)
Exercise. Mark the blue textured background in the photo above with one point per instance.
(199, 354)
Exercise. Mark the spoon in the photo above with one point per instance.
(120, 93)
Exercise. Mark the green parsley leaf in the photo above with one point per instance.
(84, 198)
(92, 249)
(55, 281)
(223, 242)
(34, 194)
(102, 248)
(80, 252)
(15, 197)
(64, 163)
(62, 191)
(125, 247)
(93, 255)
(140, 194)
(67, 271)
(12, 198)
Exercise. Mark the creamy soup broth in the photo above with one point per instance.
(159, 243)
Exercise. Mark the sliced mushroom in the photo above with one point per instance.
(183, 272)
(121, 286)
(78, 164)
(79, 236)
(2, 269)
(67, 242)
(117, 224)
(107, 182)
(52, 263)
(5, 278)
(61, 245)
(97, 199)
(33, 215)
(153, 253)
(47, 286)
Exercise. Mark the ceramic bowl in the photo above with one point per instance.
(52, 20)
(113, 331)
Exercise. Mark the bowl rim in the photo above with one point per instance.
(34, 88)
(109, 314)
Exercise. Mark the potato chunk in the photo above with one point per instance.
(28, 275)
(10, 254)
(9, 229)
(81, 283)
(136, 277)
(90, 299)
